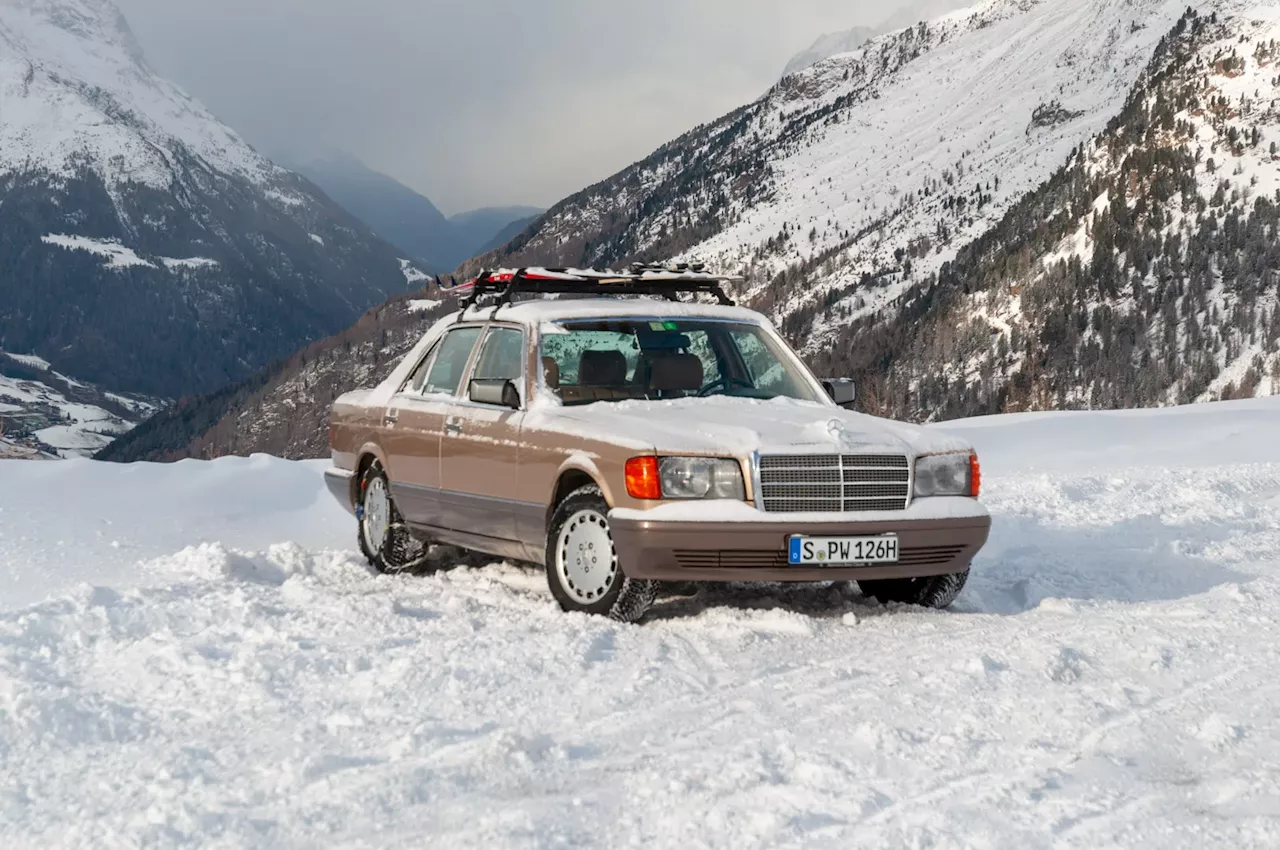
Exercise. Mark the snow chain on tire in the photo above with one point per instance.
(945, 590)
(634, 600)
(931, 592)
(400, 551)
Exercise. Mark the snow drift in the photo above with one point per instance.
(212, 667)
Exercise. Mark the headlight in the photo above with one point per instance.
(701, 478)
(948, 475)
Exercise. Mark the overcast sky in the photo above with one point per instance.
(481, 102)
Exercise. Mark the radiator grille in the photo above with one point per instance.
(834, 483)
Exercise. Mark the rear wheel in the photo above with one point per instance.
(384, 538)
(582, 564)
(929, 592)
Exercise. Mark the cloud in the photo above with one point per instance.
(478, 102)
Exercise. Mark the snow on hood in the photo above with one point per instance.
(740, 426)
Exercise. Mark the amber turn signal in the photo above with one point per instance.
(975, 476)
(642, 478)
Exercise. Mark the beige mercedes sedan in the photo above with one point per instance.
(628, 441)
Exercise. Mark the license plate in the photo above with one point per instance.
(843, 551)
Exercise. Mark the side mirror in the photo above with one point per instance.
(496, 391)
(842, 392)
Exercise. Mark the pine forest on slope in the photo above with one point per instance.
(1143, 273)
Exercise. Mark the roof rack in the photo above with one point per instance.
(668, 282)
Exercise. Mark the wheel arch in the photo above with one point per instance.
(574, 473)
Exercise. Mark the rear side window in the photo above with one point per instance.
(502, 356)
(451, 361)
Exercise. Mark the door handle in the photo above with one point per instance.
(391, 417)
(453, 428)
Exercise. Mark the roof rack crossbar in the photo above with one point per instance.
(668, 282)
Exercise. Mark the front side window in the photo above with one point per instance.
(450, 362)
(590, 361)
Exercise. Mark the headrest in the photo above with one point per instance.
(551, 373)
(675, 372)
(602, 369)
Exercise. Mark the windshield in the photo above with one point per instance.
(590, 361)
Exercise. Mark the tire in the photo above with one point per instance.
(384, 539)
(929, 592)
(597, 586)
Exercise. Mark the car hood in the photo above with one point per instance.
(740, 426)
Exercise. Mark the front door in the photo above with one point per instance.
(480, 450)
(415, 424)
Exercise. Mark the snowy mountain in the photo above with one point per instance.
(859, 179)
(403, 217)
(482, 230)
(506, 234)
(828, 45)
(847, 41)
(918, 142)
(147, 248)
(407, 219)
(209, 664)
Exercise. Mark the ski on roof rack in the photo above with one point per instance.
(668, 282)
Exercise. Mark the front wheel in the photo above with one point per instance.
(582, 564)
(929, 592)
(384, 539)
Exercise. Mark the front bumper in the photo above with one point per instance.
(670, 550)
(339, 483)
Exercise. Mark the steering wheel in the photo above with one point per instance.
(724, 383)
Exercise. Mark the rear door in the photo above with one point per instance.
(480, 450)
(414, 425)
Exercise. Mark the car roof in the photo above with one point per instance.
(535, 312)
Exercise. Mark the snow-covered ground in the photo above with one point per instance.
(216, 669)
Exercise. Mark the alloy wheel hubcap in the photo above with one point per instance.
(377, 514)
(585, 558)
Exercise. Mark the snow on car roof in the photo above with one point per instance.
(545, 310)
